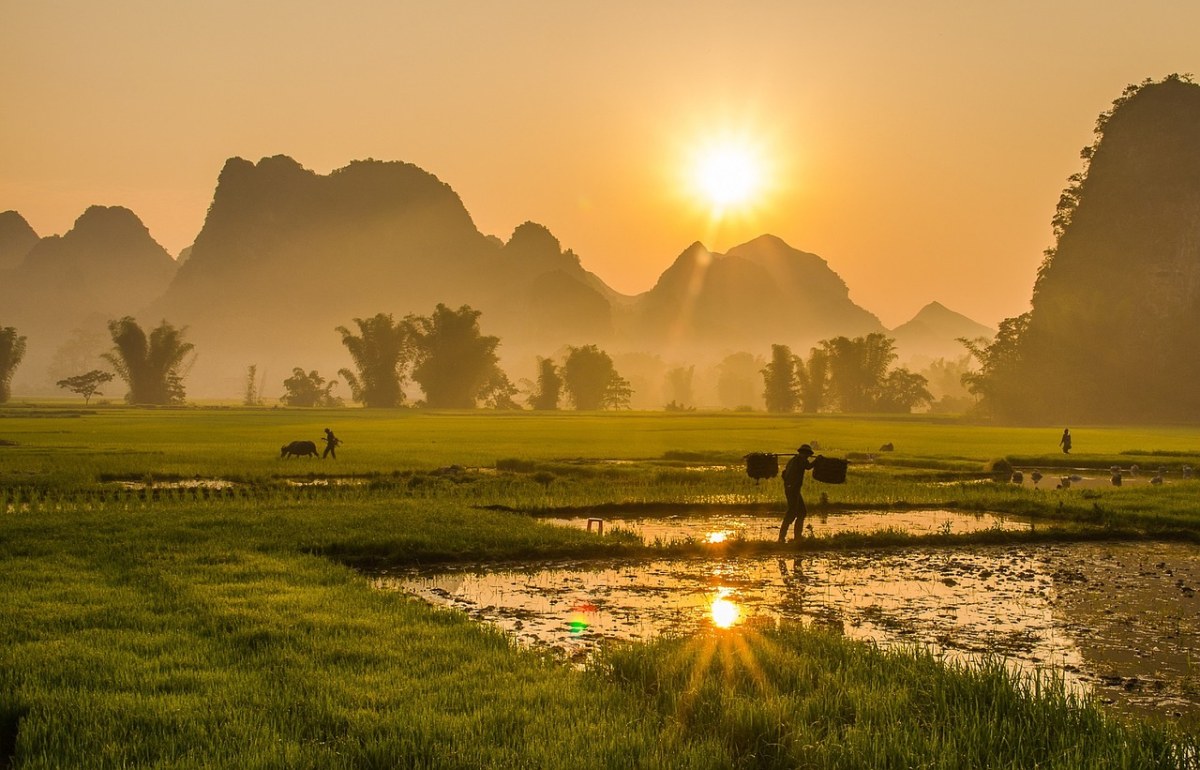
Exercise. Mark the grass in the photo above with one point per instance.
(197, 628)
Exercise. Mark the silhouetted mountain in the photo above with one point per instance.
(757, 293)
(543, 294)
(1116, 307)
(286, 255)
(16, 239)
(106, 265)
(934, 332)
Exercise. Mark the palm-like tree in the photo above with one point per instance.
(151, 366)
(12, 350)
(381, 350)
(454, 361)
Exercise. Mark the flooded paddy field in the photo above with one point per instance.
(762, 525)
(1119, 619)
(1098, 478)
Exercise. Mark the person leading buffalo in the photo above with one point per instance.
(332, 442)
(793, 480)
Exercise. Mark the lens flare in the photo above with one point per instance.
(582, 616)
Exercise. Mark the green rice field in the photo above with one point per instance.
(179, 596)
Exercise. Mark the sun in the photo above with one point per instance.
(727, 174)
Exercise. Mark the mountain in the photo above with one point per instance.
(106, 266)
(756, 294)
(934, 332)
(1111, 334)
(286, 255)
(16, 239)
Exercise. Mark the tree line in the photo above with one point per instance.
(843, 375)
(456, 367)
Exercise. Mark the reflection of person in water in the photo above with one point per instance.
(792, 578)
(794, 605)
(794, 588)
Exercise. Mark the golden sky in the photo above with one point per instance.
(918, 147)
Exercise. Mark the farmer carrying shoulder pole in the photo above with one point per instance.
(793, 479)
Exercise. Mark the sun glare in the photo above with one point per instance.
(727, 174)
(724, 611)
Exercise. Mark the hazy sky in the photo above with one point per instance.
(918, 147)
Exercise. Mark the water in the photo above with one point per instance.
(749, 526)
(1121, 620)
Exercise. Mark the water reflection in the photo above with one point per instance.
(1118, 617)
(720, 527)
(583, 615)
(724, 612)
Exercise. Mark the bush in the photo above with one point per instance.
(999, 468)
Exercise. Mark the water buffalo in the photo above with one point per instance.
(299, 449)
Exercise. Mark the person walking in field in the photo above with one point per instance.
(793, 479)
(331, 444)
(1065, 441)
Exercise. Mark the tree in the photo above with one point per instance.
(592, 381)
(454, 362)
(549, 386)
(12, 350)
(813, 381)
(780, 385)
(945, 378)
(78, 353)
(902, 391)
(309, 390)
(151, 366)
(252, 395)
(857, 368)
(499, 392)
(737, 378)
(679, 386)
(1000, 384)
(381, 352)
(86, 385)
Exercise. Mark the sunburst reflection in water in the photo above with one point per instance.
(1123, 619)
(724, 611)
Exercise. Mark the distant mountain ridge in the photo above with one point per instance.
(106, 266)
(933, 333)
(762, 289)
(285, 255)
(294, 254)
(16, 239)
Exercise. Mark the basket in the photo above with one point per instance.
(761, 465)
(829, 470)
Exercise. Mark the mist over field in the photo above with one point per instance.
(289, 258)
(286, 256)
(608, 385)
